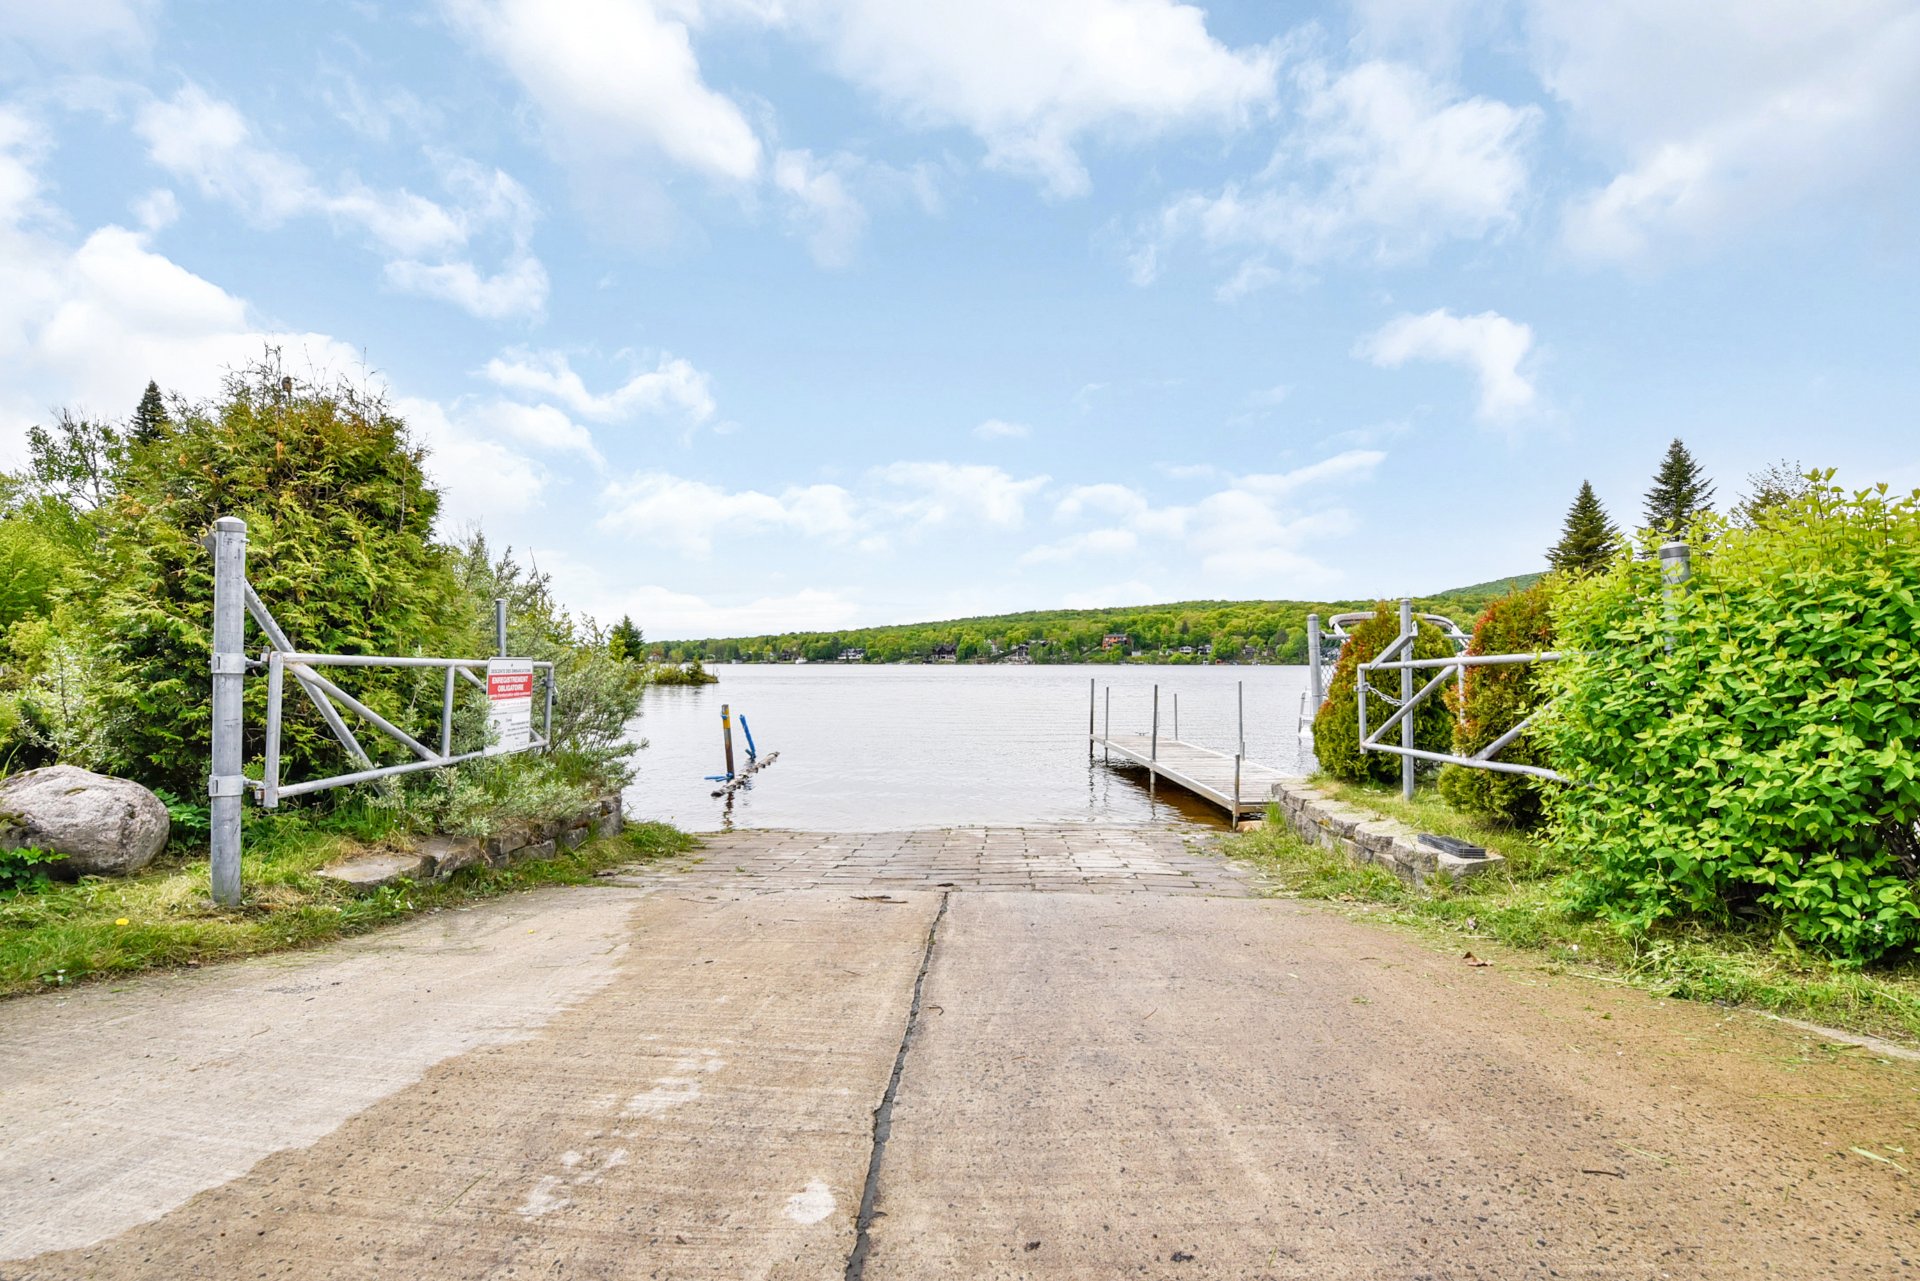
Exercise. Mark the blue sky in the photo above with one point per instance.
(743, 315)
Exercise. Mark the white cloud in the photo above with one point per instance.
(78, 31)
(1033, 80)
(1489, 345)
(673, 385)
(208, 143)
(941, 493)
(87, 325)
(480, 479)
(823, 205)
(541, 426)
(1384, 161)
(687, 515)
(616, 78)
(519, 288)
(1095, 542)
(1001, 429)
(1252, 531)
(1721, 113)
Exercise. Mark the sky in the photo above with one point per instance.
(751, 315)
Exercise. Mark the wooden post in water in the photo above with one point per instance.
(1153, 750)
(1176, 716)
(726, 732)
(1107, 734)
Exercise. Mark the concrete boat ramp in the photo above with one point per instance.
(980, 1053)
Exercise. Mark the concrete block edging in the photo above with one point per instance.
(438, 857)
(1366, 837)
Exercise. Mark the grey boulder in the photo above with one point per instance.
(105, 826)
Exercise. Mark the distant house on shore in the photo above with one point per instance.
(1021, 653)
(1111, 639)
(853, 655)
(946, 653)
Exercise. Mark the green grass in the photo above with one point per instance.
(163, 917)
(1522, 906)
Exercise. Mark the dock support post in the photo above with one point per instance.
(1090, 688)
(726, 732)
(1240, 711)
(1106, 735)
(1314, 684)
(224, 780)
(1406, 696)
(1176, 717)
(1153, 750)
(1235, 825)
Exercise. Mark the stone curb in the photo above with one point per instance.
(439, 857)
(1366, 837)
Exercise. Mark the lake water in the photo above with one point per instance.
(881, 748)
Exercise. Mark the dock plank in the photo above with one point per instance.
(1201, 770)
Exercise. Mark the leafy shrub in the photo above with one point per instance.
(339, 524)
(1494, 701)
(25, 870)
(1748, 748)
(1336, 729)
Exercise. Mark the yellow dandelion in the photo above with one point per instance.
(123, 921)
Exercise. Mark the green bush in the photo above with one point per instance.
(339, 529)
(1336, 728)
(1494, 701)
(1748, 748)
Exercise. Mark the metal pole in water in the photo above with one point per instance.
(1107, 733)
(500, 627)
(1176, 717)
(726, 732)
(1240, 705)
(1235, 824)
(1406, 696)
(224, 782)
(1090, 704)
(1153, 750)
(1314, 686)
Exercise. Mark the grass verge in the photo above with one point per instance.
(1523, 906)
(163, 917)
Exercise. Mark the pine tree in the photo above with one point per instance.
(625, 640)
(1587, 537)
(150, 421)
(1775, 486)
(1680, 492)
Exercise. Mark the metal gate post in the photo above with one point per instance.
(1406, 695)
(225, 782)
(1676, 567)
(1314, 686)
(499, 627)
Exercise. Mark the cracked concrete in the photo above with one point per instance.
(1125, 1063)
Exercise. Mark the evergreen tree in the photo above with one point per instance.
(1680, 492)
(1587, 537)
(625, 640)
(150, 421)
(1782, 483)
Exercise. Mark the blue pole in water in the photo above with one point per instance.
(751, 754)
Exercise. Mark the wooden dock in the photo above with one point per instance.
(1201, 770)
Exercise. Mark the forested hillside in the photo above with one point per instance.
(1187, 631)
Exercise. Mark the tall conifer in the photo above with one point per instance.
(1680, 492)
(1587, 538)
(150, 419)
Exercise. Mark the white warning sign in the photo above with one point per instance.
(509, 705)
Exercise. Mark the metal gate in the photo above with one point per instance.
(233, 601)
